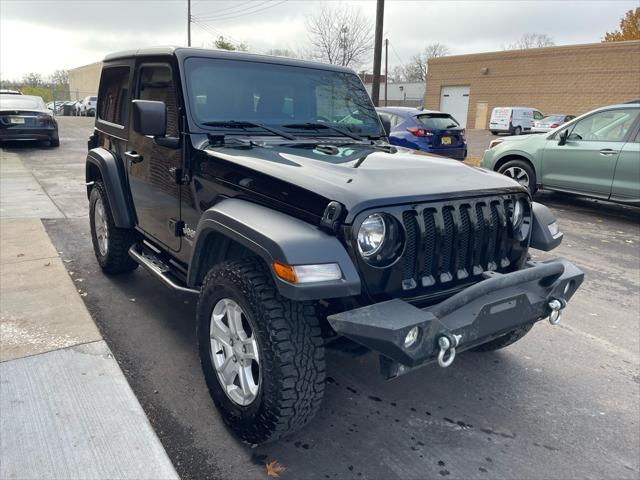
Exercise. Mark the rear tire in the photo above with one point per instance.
(287, 383)
(522, 172)
(54, 142)
(505, 340)
(110, 243)
(493, 132)
(517, 131)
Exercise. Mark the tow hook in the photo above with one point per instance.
(447, 353)
(556, 307)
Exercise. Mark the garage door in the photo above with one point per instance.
(454, 100)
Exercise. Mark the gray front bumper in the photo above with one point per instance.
(476, 315)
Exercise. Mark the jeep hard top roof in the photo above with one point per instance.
(184, 52)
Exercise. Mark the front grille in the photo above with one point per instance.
(450, 242)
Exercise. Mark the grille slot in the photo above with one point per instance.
(411, 227)
(454, 241)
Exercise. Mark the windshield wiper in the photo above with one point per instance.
(318, 126)
(243, 124)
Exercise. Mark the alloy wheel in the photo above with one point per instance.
(234, 352)
(101, 227)
(518, 174)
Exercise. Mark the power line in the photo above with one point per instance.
(264, 7)
(215, 14)
(396, 53)
(215, 32)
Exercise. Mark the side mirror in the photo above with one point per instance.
(562, 138)
(386, 125)
(150, 117)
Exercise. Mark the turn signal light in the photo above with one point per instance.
(285, 272)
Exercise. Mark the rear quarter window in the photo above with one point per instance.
(114, 95)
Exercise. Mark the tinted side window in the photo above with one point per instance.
(156, 83)
(607, 126)
(537, 115)
(114, 95)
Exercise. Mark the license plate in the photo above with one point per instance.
(445, 140)
(16, 120)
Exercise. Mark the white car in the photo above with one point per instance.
(513, 120)
(87, 106)
(550, 122)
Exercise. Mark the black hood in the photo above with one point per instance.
(361, 177)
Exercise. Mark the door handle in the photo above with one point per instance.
(134, 156)
(607, 152)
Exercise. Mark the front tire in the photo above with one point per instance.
(276, 387)
(517, 131)
(522, 172)
(110, 243)
(504, 341)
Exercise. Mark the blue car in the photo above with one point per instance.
(426, 130)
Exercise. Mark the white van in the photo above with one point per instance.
(513, 120)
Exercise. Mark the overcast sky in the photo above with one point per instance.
(43, 36)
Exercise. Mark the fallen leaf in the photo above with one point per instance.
(20, 255)
(47, 264)
(274, 469)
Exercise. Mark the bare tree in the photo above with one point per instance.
(416, 69)
(282, 52)
(530, 40)
(33, 79)
(60, 77)
(340, 35)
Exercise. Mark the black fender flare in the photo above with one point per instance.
(114, 181)
(275, 236)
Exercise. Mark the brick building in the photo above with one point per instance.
(572, 80)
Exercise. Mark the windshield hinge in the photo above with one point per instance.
(332, 216)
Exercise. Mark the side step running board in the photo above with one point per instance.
(158, 269)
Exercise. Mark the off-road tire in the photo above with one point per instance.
(504, 341)
(527, 167)
(290, 349)
(117, 259)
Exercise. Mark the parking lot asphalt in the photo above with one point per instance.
(564, 402)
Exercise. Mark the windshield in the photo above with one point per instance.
(21, 102)
(277, 95)
(553, 118)
(437, 121)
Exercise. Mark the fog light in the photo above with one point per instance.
(412, 337)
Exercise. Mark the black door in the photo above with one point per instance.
(151, 166)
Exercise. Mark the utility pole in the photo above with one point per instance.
(377, 54)
(386, 69)
(188, 23)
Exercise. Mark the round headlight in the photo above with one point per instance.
(518, 213)
(371, 235)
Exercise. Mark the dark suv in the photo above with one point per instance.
(266, 187)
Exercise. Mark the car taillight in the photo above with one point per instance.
(420, 132)
(554, 125)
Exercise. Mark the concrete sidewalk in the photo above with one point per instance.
(66, 409)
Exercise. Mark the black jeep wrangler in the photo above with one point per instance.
(266, 187)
